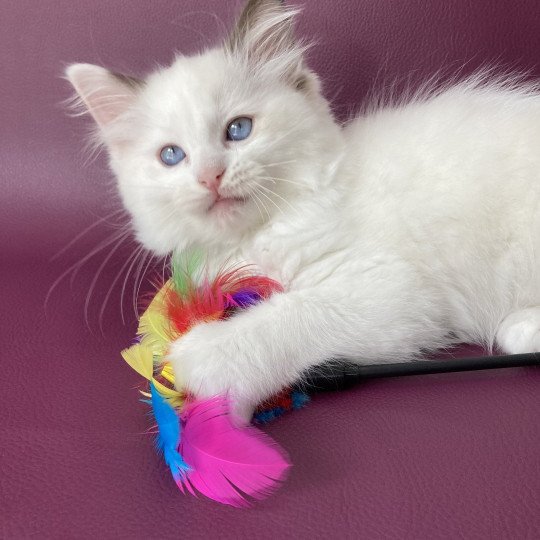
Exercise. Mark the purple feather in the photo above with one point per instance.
(246, 298)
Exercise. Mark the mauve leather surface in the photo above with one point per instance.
(452, 456)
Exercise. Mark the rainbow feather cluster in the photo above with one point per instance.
(201, 443)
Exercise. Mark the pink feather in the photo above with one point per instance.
(229, 464)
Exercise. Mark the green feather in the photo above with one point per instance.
(186, 269)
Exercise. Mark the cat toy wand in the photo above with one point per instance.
(342, 375)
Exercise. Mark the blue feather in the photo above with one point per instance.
(264, 417)
(169, 431)
(299, 399)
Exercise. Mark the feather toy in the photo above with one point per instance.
(200, 441)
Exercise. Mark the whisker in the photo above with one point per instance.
(96, 277)
(142, 276)
(255, 201)
(76, 266)
(165, 264)
(85, 232)
(258, 186)
(286, 180)
(134, 299)
(101, 246)
(280, 197)
(137, 253)
(111, 287)
(277, 163)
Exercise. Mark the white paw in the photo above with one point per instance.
(209, 361)
(520, 332)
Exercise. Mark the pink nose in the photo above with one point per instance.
(211, 177)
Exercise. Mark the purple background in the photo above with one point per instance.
(433, 457)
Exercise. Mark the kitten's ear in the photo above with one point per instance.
(264, 36)
(106, 95)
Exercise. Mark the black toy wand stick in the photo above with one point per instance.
(337, 376)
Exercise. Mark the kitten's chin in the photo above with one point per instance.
(230, 217)
(229, 212)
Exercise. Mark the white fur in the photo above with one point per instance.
(413, 227)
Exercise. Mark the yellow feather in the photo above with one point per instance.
(141, 359)
(159, 349)
(156, 335)
(168, 373)
(172, 396)
(154, 323)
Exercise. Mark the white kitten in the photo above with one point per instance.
(411, 228)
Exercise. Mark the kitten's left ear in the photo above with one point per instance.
(264, 38)
(106, 95)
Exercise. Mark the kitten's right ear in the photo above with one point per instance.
(105, 95)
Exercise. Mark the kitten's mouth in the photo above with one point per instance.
(222, 203)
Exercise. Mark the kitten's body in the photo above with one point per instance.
(414, 227)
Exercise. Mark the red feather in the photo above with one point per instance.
(211, 300)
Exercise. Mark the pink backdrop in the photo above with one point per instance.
(434, 457)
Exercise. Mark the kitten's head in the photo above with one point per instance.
(213, 146)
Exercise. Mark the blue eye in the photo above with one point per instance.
(239, 129)
(172, 155)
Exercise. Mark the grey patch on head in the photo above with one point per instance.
(132, 82)
(252, 12)
(301, 83)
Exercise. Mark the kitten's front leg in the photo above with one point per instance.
(254, 354)
(260, 351)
